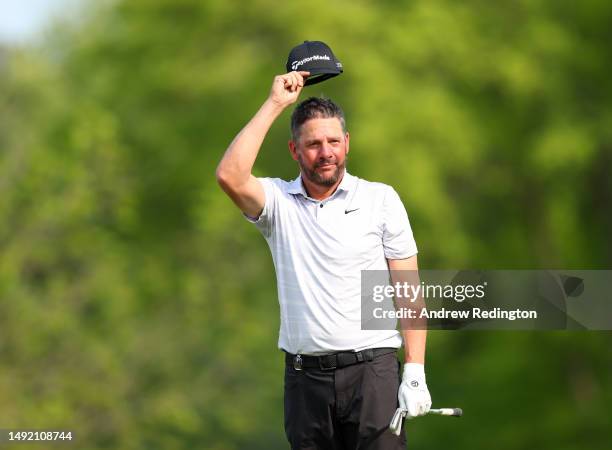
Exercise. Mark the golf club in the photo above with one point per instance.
(396, 422)
(454, 412)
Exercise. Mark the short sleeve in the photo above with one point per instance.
(398, 241)
(265, 221)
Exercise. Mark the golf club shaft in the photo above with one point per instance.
(455, 412)
(396, 422)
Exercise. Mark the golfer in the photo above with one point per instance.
(342, 384)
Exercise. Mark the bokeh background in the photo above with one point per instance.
(138, 308)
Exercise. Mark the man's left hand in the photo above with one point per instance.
(413, 394)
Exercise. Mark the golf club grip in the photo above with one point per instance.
(455, 412)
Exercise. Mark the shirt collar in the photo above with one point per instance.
(297, 187)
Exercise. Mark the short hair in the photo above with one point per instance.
(315, 108)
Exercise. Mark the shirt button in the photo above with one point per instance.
(321, 205)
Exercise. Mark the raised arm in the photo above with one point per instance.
(234, 173)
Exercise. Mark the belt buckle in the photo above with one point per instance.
(297, 362)
(326, 357)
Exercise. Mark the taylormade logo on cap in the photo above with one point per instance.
(296, 64)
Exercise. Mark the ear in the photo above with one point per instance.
(293, 150)
(347, 139)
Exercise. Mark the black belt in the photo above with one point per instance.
(335, 360)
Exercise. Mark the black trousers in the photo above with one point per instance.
(346, 408)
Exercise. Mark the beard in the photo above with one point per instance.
(322, 180)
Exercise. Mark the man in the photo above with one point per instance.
(342, 384)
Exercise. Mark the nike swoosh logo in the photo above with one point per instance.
(350, 210)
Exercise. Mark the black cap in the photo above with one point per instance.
(315, 57)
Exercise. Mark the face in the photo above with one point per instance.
(321, 150)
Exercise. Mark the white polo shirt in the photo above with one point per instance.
(319, 249)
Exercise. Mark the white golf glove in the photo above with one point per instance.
(413, 396)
